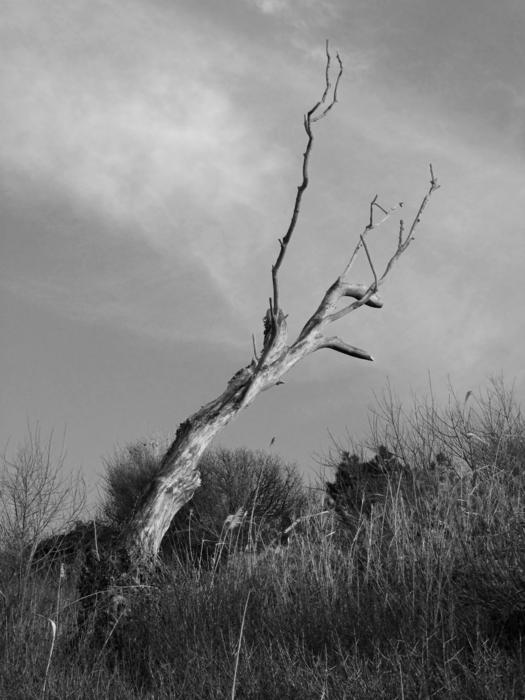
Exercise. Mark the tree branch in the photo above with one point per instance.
(339, 345)
(372, 225)
(375, 284)
(402, 245)
(309, 119)
(358, 291)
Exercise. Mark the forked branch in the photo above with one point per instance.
(402, 244)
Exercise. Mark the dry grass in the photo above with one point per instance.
(419, 598)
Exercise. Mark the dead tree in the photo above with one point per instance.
(178, 477)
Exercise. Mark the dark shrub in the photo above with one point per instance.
(360, 484)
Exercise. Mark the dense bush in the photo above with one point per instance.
(359, 484)
(246, 497)
(451, 483)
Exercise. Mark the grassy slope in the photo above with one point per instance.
(418, 600)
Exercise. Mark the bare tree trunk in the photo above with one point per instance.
(179, 477)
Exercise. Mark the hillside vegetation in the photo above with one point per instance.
(401, 575)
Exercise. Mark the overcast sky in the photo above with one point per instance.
(149, 155)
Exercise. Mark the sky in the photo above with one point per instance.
(150, 152)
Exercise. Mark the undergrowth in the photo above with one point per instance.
(420, 595)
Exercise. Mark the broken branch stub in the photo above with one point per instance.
(178, 476)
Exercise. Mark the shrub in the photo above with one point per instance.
(37, 498)
(360, 484)
(448, 508)
(246, 496)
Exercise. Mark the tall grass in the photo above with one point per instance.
(419, 597)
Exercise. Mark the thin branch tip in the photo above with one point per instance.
(375, 285)
(433, 179)
(324, 105)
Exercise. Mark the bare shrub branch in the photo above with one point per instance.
(37, 496)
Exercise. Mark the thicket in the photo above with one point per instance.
(406, 581)
(247, 499)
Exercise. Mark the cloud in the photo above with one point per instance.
(134, 118)
(270, 7)
(166, 132)
(151, 120)
(129, 134)
(300, 16)
(296, 8)
(64, 257)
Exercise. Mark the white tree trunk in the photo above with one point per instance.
(179, 477)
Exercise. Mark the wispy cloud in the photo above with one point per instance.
(270, 7)
(135, 120)
(299, 11)
(141, 124)
(150, 121)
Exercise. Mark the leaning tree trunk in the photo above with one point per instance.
(178, 477)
